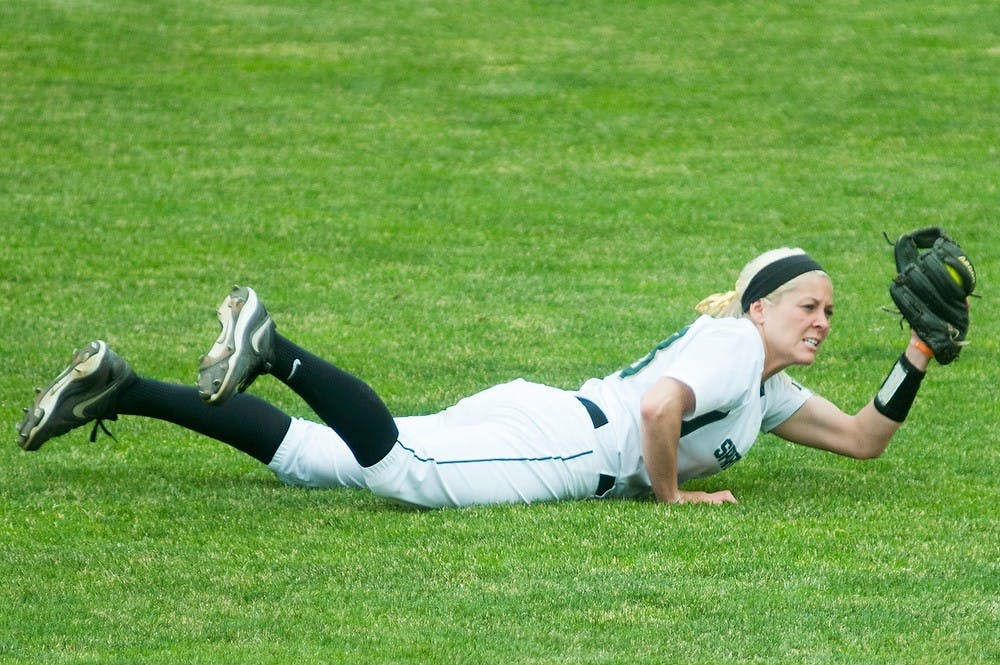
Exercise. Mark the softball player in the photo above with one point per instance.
(690, 408)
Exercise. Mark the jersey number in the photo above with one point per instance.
(638, 366)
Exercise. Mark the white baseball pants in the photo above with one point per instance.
(518, 442)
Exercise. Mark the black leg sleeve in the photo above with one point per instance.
(245, 422)
(343, 401)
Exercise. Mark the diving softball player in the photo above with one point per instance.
(523, 442)
(690, 408)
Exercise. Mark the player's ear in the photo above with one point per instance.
(756, 311)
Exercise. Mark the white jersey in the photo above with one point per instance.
(721, 360)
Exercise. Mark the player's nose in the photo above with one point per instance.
(821, 320)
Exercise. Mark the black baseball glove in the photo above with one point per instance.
(932, 288)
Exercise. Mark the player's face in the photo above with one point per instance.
(797, 324)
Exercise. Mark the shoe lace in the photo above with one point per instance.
(99, 423)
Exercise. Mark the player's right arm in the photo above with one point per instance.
(662, 409)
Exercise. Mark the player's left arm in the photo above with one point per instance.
(821, 424)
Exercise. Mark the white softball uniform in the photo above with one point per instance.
(522, 442)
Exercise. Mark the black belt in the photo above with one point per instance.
(605, 483)
(596, 415)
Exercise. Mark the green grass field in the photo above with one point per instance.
(440, 196)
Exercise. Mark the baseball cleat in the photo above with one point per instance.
(85, 391)
(243, 351)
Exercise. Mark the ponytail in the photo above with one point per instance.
(720, 305)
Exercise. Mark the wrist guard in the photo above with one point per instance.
(894, 399)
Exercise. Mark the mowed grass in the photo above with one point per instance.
(443, 196)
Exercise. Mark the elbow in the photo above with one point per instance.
(653, 411)
(868, 450)
(867, 454)
(666, 402)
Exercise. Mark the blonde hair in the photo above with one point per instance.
(729, 303)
